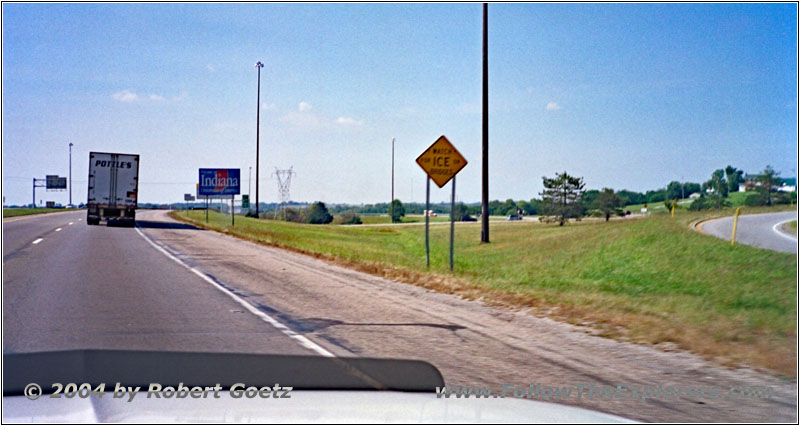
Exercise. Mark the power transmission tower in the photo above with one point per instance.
(284, 180)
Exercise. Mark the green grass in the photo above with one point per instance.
(735, 199)
(26, 212)
(792, 226)
(384, 219)
(647, 280)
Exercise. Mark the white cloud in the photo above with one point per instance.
(267, 106)
(349, 121)
(154, 97)
(304, 107)
(125, 96)
(552, 106)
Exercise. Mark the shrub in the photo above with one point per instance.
(294, 215)
(783, 198)
(398, 211)
(755, 200)
(348, 218)
(699, 204)
(318, 214)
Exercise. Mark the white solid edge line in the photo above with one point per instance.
(37, 241)
(783, 234)
(303, 340)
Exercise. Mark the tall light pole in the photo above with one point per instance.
(485, 143)
(70, 173)
(259, 65)
(391, 205)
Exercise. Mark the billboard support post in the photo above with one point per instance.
(42, 183)
(206, 208)
(233, 202)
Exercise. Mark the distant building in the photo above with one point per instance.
(753, 182)
(787, 184)
(694, 195)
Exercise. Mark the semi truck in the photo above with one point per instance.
(113, 188)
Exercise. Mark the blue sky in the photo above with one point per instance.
(626, 95)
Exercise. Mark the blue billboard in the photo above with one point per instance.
(218, 182)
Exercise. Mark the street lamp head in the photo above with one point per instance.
(259, 64)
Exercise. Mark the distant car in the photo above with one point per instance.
(514, 217)
(468, 218)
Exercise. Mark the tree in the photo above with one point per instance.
(398, 211)
(508, 207)
(561, 198)
(675, 190)
(690, 188)
(653, 197)
(630, 197)
(534, 207)
(768, 179)
(318, 214)
(589, 196)
(734, 177)
(494, 208)
(718, 188)
(607, 202)
(460, 211)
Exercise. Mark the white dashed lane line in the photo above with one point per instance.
(71, 223)
(37, 241)
(58, 229)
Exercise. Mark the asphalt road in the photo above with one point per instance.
(759, 230)
(67, 285)
(163, 286)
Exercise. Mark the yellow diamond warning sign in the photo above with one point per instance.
(441, 161)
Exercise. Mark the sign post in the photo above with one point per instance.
(441, 162)
(452, 220)
(427, 218)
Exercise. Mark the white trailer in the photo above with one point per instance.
(113, 188)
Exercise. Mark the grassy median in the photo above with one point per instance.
(26, 212)
(650, 280)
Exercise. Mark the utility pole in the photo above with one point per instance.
(485, 147)
(70, 173)
(259, 65)
(391, 204)
(249, 178)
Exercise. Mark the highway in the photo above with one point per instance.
(67, 285)
(758, 230)
(169, 286)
